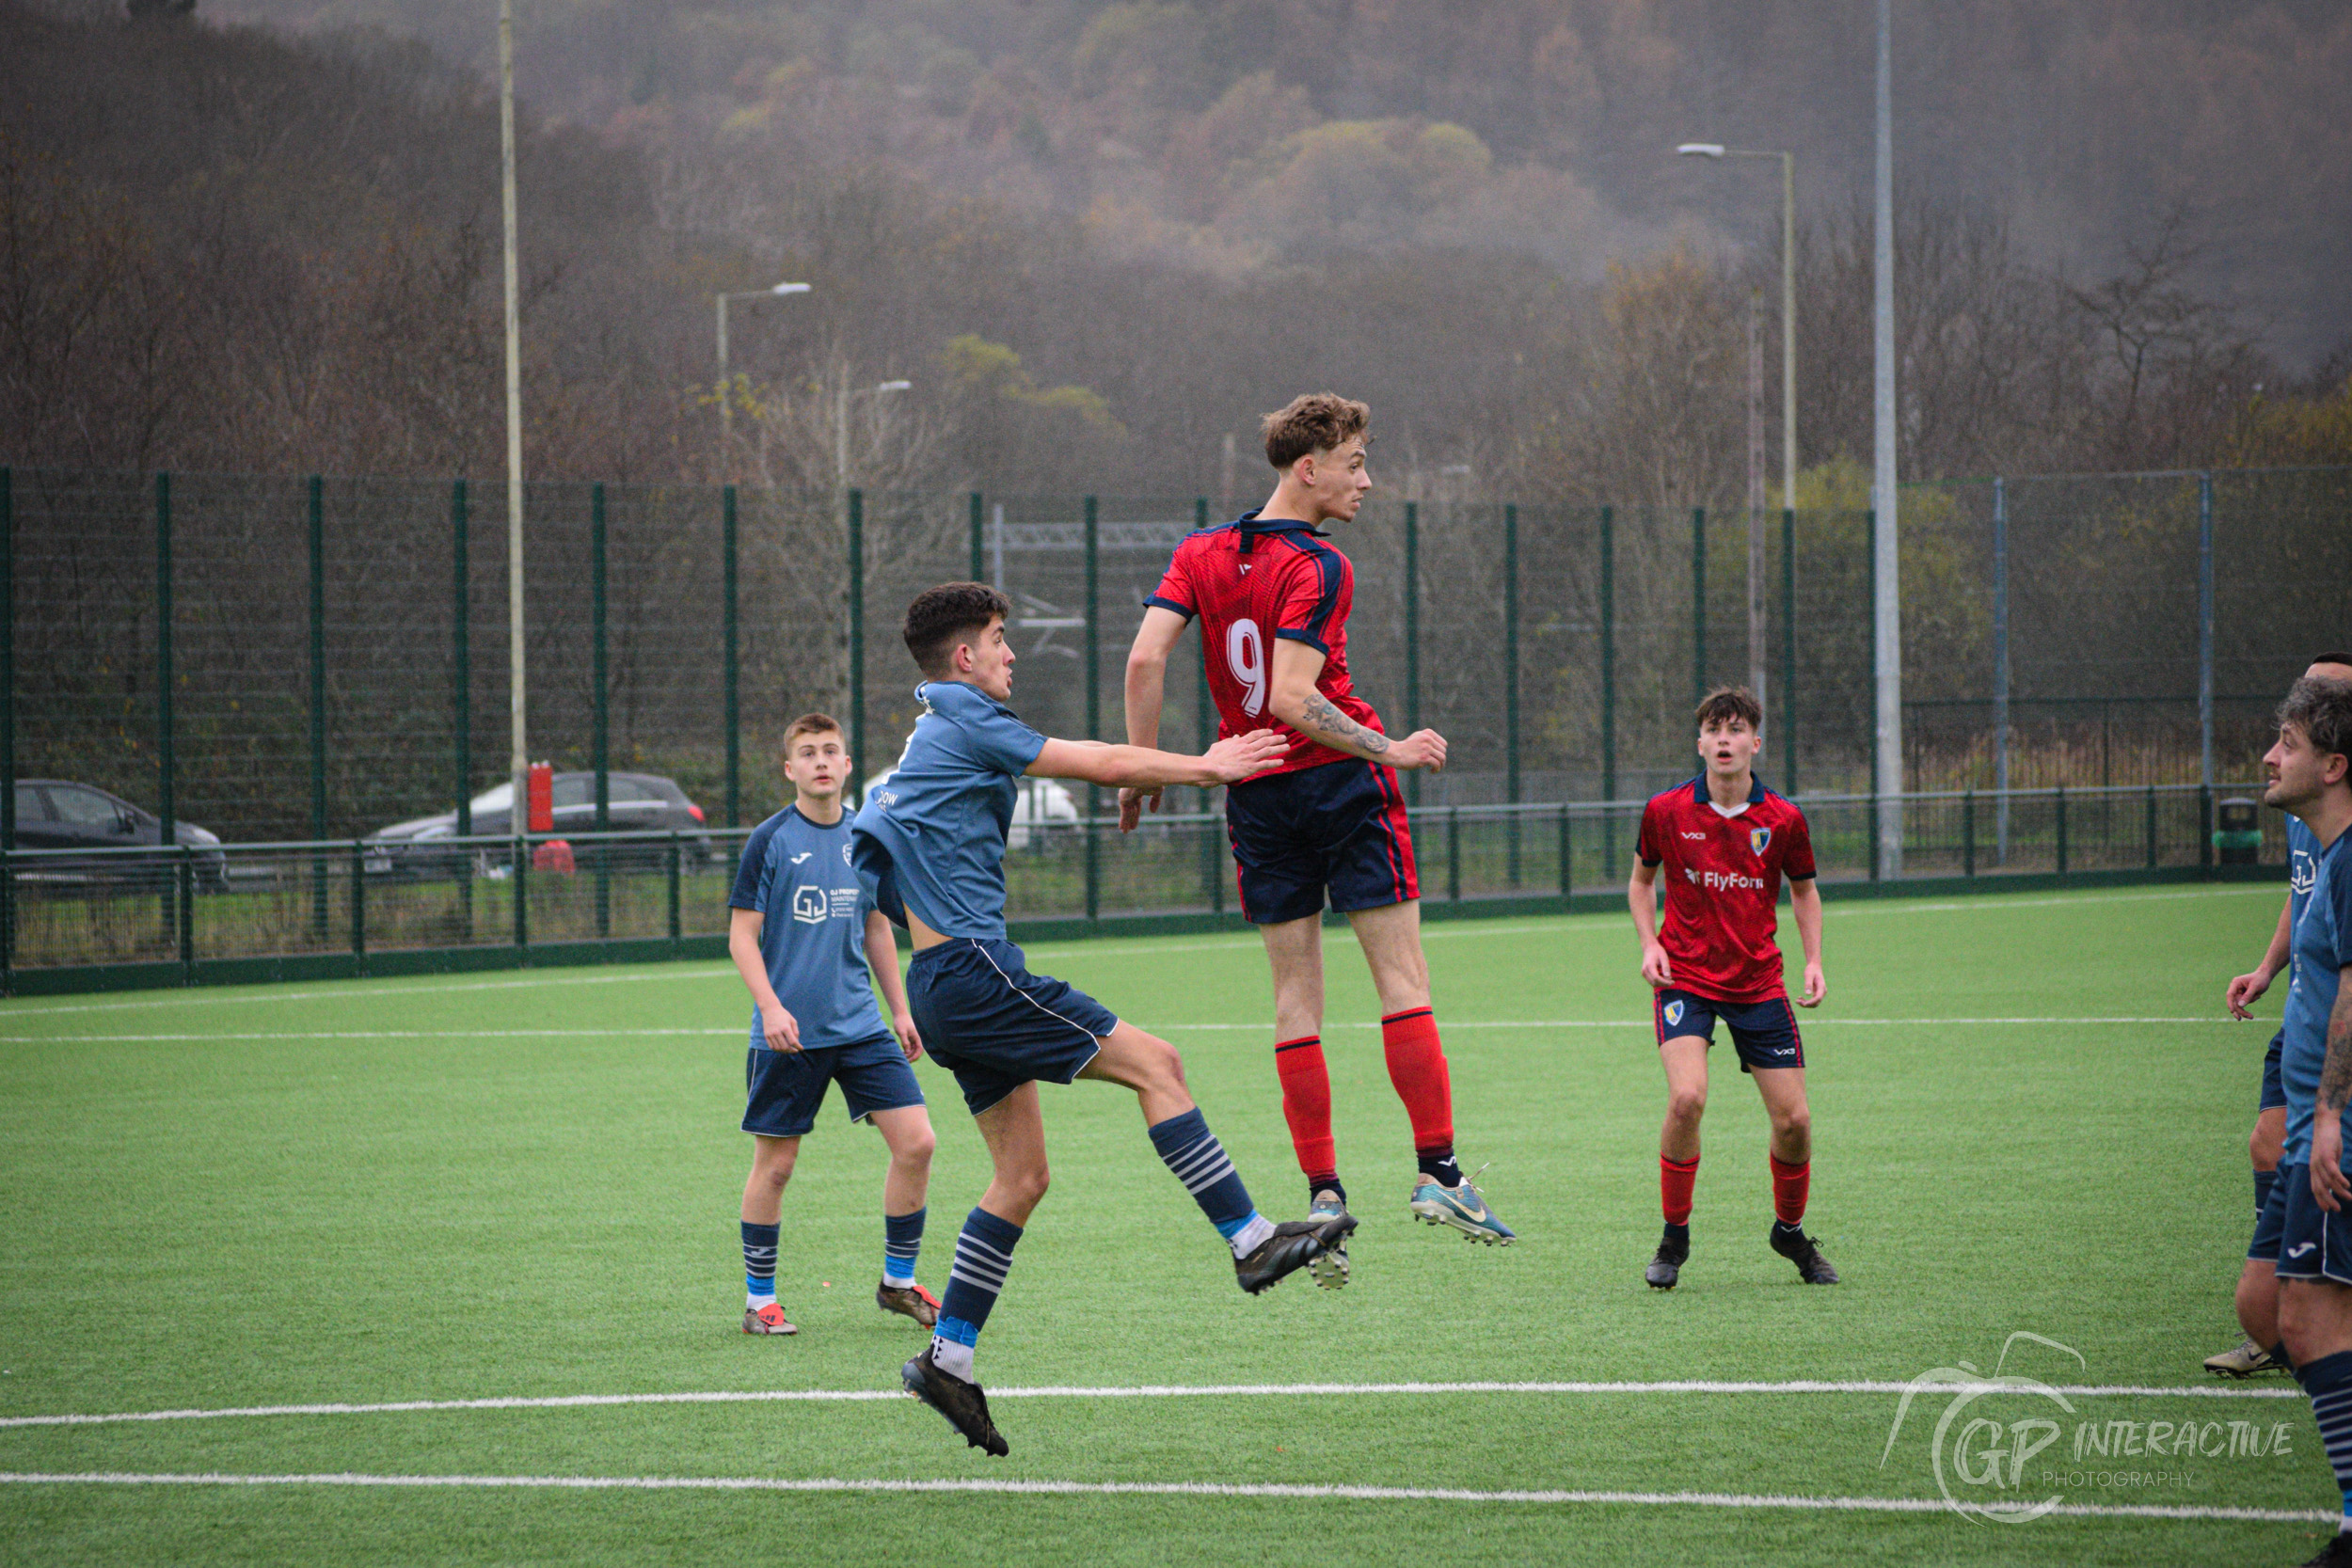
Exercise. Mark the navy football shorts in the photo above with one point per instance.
(2313, 1242)
(1338, 830)
(2273, 1089)
(2270, 1220)
(996, 1026)
(1763, 1033)
(784, 1088)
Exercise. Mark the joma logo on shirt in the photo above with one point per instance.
(1722, 881)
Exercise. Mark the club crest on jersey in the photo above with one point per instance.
(1758, 837)
(1674, 1012)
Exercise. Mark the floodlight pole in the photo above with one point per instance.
(519, 763)
(1787, 385)
(1886, 642)
(726, 384)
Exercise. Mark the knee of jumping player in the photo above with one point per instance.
(772, 1162)
(2267, 1141)
(913, 1149)
(1685, 1106)
(1022, 1188)
(2258, 1304)
(1792, 1127)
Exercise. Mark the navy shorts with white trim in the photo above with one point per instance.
(996, 1026)
(2274, 1088)
(2313, 1242)
(783, 1089)
(1337, 827)
(1763, 1033)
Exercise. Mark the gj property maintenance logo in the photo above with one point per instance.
(2010, 1448)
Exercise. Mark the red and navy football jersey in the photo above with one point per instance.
(1252, 581)
(1723, 879)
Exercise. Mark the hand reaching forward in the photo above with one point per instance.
(1243, 756)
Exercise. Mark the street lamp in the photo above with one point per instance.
(1788, 383)
(841, 422)
(726, 388)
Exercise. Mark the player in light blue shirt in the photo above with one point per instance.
(2296, 1292)
(2270, 1111)
(930, 846)
(805, 936)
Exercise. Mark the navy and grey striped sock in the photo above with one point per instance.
(1200, 1163)
(983, 1255)
(759, 1263)
(902, 1242)
(2328, 1380)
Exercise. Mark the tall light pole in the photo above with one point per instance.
(1886, 642)
(519, 764)
(726, 387)
(1787, 385)
(841, 424)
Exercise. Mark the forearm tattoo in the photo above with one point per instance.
(1321, 717)
(2335, 1074)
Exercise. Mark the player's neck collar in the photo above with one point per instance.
(1253, 523)
(1701, 796)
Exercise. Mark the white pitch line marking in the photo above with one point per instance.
(1155, 1489)
(1145, 1391)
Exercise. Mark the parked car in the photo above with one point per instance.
(639, 803)
(1042, 805)
(53, 813)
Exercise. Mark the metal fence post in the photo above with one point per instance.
(2204, 827)
(676, 855)
(519, 876)
(184, 889)
(166, 807)
(318, 703)
(2000, 671)
(358, 904)
(7, 726)
(601, 736)
(1511, 679)
(1412, 633)
(2205, 629)
(1698, 605)
(2152, 827)
(1787, 719)
(461, 691)
(1453, 854)
(1568, 855)
(2061, 830)
(1878, 796)
(857, 644)
(979, 556)
(734, 656)
(1968, 832)
(1607, 682)
(1094, 704)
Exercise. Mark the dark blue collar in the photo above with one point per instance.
(1699, 796)
(1252, 524)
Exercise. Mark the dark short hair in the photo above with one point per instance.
(1312, 421)
(810, 723)
(943, 616)
(1726, 703)
(2329, 659)
(2323, 711)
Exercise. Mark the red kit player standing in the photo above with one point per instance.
(1726, 842)
(1273, 598)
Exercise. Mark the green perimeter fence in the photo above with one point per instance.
(290, 660)
(78, 920)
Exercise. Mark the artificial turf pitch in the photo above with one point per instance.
(525, 1187)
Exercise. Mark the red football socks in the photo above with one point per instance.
(1417, 1068)
(1307, 1105)
(1790, 1183)
(1676, 1177)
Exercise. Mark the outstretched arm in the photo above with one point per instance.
(1147, 691)
(1140, 767)
(1296, 702)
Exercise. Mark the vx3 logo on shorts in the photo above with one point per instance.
(2298, 1251)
